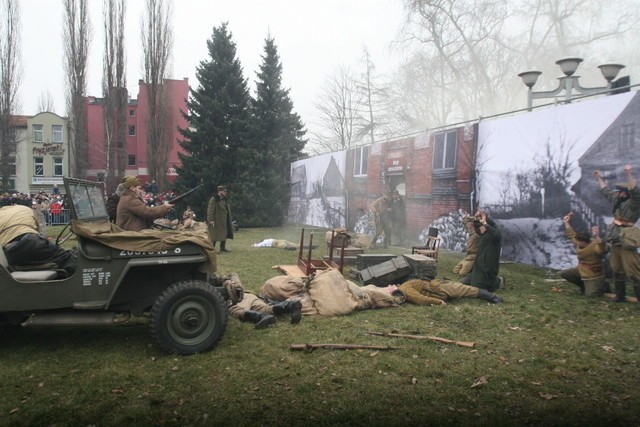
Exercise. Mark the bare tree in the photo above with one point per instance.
(46, 102)
(157, 44)
(464, 55)
(76, 40)
(339, 110)
(10, 75)
(114, 89)
(377, 121)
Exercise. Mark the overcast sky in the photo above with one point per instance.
(313, 37)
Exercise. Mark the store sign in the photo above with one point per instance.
(396, 161)
(46, 180)
(49, 148)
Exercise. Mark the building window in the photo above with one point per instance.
(628, 136)
(57, 166)
(38, 166)
(361, 160)
(12, 164)
(132, 113)
(132, 130)
(132, 160)
(38, 134)
(444, 152)
(57, 133)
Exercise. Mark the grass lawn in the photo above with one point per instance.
(544, 357)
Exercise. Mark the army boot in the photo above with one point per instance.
(489, 296)
(621, 291)
(223, 246)
(293, 307)
(262, 320)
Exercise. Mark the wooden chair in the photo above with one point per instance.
(431, 247)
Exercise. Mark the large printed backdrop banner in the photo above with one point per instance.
(535, 167)
(318, 191)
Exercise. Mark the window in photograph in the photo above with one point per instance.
(628, 136)
(132, 130)
(360, 160)
(444, 152)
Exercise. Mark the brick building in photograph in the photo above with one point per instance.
(434, 172)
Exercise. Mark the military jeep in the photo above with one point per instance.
(155, 274)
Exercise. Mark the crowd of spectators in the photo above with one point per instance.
(54, 206)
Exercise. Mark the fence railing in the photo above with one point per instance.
(61, 217)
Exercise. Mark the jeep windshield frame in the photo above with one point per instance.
(86, 199)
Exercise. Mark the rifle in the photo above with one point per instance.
(182, 196)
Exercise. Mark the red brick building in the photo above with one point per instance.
(136, 132)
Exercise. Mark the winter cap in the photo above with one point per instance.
(222, 188)
(130, 181)
(622, 186)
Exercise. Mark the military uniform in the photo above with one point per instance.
(625, 262)
(589, 274)
(219, 219)
(487, 264)
(438, 292)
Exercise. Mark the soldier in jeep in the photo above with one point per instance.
(23, 244)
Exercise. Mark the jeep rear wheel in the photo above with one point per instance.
(188, 317)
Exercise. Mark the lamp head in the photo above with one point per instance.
(529, 78)
(610, 71)
(569, 65)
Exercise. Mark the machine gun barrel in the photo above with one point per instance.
(182, 196)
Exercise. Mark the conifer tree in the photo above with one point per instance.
(218, 120)
(263, 180)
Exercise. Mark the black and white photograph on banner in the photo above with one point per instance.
(318, 191)
(536, 167)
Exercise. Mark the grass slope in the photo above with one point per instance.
(543, 357)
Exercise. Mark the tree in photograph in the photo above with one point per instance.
(157, 44)
(114, 90)
(10, 75)
(76, 40)
(340, 111)
(218, 122)
(263, 186)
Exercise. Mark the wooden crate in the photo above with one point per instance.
(422, 267)
(396, 270)
(367, 260)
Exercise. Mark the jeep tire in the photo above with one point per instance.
(188, 317)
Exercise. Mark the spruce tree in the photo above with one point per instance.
(218, 123)
(263, 180)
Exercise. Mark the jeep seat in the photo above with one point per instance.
(27, 276)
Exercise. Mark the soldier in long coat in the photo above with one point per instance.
(381, 211)
(487, 265)
(219, 218)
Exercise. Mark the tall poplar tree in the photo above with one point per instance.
(263, 181)
(218, 121)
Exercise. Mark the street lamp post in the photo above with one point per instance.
(568, 83)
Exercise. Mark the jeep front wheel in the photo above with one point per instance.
(188, 317)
